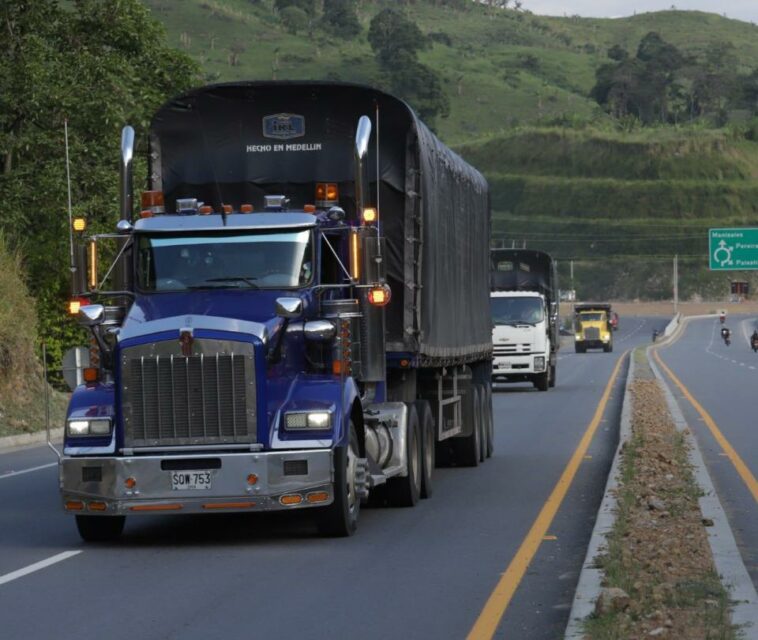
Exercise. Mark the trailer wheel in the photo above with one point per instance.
(482, 423)
(340, 519)
(466, 448)
(426, 421)
(100, 528)
(404, 491)
(552, 374)
(490, 419)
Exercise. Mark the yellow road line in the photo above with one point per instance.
(747, 477)
(486, 624)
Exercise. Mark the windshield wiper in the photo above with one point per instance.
(248, 280)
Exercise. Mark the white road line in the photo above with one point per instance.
(10, 474)
(8, 577)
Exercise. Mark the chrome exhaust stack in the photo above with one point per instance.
(126, 174)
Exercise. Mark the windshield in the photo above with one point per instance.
(271, 260)
(592, 317)
(516, 310)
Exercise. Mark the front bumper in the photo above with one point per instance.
(240, 482)
(515, 367)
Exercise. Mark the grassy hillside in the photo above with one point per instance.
(565, 177)
(21, 382)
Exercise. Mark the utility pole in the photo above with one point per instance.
(676, 282)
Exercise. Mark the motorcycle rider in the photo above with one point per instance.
(726, 334)
(754, 340)
(722, 317)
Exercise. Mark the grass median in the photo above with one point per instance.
(660, 579)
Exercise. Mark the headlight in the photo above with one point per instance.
(539, 363)
(94, 427)
(316, 420)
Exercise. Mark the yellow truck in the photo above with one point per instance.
(592, 327)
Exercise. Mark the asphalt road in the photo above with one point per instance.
(425, 572)
(723, 380)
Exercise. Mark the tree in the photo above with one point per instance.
(396, 42)
(391, 35)
(308, 6)
(294, 19)
(99, 64)
(341, 18)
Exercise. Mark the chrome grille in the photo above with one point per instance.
(172, 399)
(511, 349)
(592, 333)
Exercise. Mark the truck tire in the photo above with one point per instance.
(429, 439)
(340, 519)
(466, 448)
(404, 491)
(542, 380)
(100, 528)
(552, 374)
(483, 427)
(579, 348)
(490, 419)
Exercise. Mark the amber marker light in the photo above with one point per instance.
(130, 483)
(74, 306)
(227, 208)
(91, 374)
(97, 506)
(205, 210)
(79, 224)
(228, 505)
(379, 295)
(246, 208)
(252, 479)
(74, 505)
(317, 496)
(157, 507)
(309, 208)
(292, 498)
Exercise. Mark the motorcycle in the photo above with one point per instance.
(727, 336)
(754, 345)
(722, 318)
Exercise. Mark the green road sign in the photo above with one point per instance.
(733, 249)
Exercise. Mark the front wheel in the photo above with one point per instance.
(542, 380)
(100, 528)
(552, 375)
(340, 519)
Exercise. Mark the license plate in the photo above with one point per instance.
(191, 480)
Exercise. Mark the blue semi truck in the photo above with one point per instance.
(297, 317)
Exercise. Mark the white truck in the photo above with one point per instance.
(524, 303)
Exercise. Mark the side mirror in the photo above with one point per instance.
(289, 308)
(91, 315)
(319, 330)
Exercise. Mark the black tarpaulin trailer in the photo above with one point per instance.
(221, 144)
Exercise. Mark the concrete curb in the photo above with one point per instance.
(29, 439)
(726, 556)
(589, 585)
